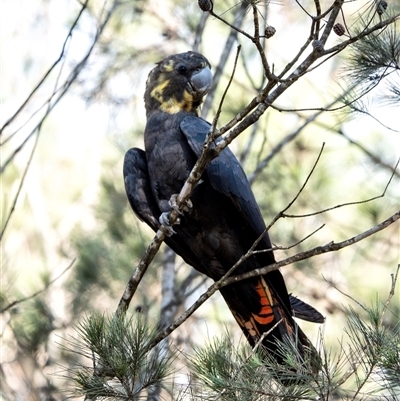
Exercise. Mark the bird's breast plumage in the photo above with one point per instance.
(169, 156)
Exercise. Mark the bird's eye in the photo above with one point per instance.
(182, 69)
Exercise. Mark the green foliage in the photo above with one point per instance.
(377, 349)
(32, 323)
(107, 254)
(373, 59)
(228, 373)
(113, 209)
(220, 363)
(370, 366)
(374, 56)
(111, 241)
(125, 367)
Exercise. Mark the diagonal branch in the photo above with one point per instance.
(293, 216)
(50, 105)
(239, 17)
(63, 89)
(60, 57)
(330, 247)
(35, 294)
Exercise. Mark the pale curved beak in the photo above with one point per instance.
(201, 81)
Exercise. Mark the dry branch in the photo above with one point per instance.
(330, 247)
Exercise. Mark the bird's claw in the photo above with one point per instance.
(174, 204)
(164, 220)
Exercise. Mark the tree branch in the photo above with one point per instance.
(35, 294)
(330, 247)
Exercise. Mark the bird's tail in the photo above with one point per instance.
(267, 322)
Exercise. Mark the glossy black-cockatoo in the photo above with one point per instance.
(224, 220)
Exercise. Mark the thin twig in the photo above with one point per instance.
(293, 216)
(285, 248)
(21, 183)
(199, 31)
(306, 180)
(278, 147)
(35, 294)
(343, 293)
(141, 269)
(218, 113)
(263, 335)
(376, 159)
(317, 18)
(60, 57)
(253, 350)
(67, 83)
(223, 60)
(235, 28)
(224, 281)
(391, 293)
(28, 164)
(330, 247)
(379, 25)
(256, 40)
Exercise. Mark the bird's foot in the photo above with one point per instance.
(164, 220)
(174, 204)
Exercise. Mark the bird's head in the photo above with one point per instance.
(178, 83)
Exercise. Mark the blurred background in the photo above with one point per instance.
(71, 242)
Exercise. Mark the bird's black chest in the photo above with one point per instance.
(169, 156)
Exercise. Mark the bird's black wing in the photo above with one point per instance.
(141, 199)
(137, 187)
(226, 175)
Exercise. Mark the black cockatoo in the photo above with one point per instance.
(224, 220)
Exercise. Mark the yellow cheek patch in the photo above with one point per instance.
(173, 106)
(157, 92)
(168, 67)
(170, 104)
(187, 98)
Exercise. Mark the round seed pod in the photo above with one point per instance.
(381, 7)
(269, 31)
(205, 5)
(339, 29)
